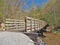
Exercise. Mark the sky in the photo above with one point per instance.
(29, 3)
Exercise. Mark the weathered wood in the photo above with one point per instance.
(25, 24)
(28, 24)
(14, 25)
(31, 25)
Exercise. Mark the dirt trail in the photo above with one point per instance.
(52, 39)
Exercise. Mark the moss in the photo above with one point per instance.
(57, 32)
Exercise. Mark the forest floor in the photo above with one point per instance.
(52, 39)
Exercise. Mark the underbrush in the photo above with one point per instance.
(57, 32)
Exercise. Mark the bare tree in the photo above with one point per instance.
(13, 6)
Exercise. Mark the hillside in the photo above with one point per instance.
(52, 39)
(1, 9)
(51, 13)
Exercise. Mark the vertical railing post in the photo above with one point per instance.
(25, 24)
(31, 24)
(39, 24)
(34, 25)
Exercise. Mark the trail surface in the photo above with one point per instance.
(52, 39)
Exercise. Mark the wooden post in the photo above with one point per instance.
(34, 25)
(25, 24)
(31, 24)
(39, 24)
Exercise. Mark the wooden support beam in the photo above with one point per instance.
(25, 24)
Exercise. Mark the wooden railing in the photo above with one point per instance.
(14, 25)
(32, 24)
(28, 24)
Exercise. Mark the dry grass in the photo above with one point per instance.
(52, 39)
